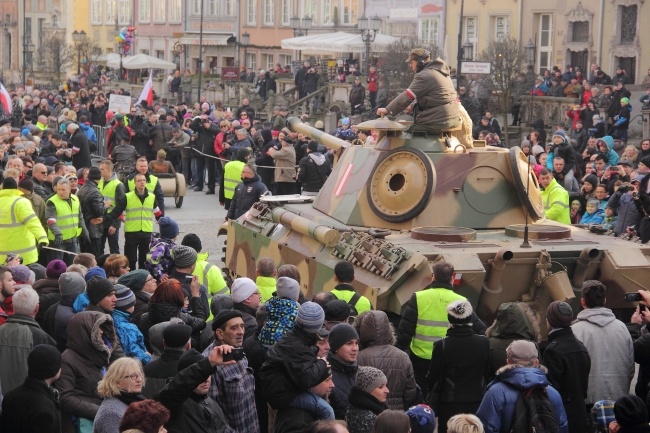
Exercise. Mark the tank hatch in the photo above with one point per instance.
(381, 124)
(538, 231)
(443, 234)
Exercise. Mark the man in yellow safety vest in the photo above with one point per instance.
(140, 211)
(65, 223)
(114, 194)
(153, 185)
(232, 176)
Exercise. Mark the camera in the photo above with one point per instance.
(633, 297)
(625, 188)
(237, 354)
(189, 279)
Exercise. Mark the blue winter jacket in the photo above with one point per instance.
(89, 132)
(594, 218)
(498, 405)
(612, 156)
(628, 214)
(130, 336)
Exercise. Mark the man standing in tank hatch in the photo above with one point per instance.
(436, 107)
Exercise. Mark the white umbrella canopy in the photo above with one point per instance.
(144, 61)
(112, 60)
(339, 42)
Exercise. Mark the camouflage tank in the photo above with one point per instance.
(395, 209)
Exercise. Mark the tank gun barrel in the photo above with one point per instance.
(323, 234)
(329, 141)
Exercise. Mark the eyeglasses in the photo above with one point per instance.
(133, 376)
(133, 112)
(150, 279)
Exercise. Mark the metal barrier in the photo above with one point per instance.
(100, 132)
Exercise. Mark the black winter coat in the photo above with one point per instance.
(343, 376)
(159, 370)
(250, 322)
(80, 150)
(568, 364)
(363, 412)
(162, 312)
(291, 368)
(205, 136)
(32, 407)
(247, 193)
(92, 206)
(313, 171)
(293, 420)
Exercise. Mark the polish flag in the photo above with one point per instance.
(147, 92)
(5, 100)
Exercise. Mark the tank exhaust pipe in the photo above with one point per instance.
(490, 298)
(582, 264)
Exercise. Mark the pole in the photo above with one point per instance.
(24, 46)
(367, 40)
(79, 59)
(200, 52)
(459, 53)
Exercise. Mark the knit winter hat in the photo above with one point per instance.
(134, 280)
(21, 274)
(224, 316)
(125, 297)
(311, 316)
(560, 133)
(422, 419)
(177, 335)
(341, 334)
(168, 228)
(459, 312)
(559, 314)
(287, 288)
(55, 268)
(521, 351)
(43, 362)
(183, 256)
(188, 358)
(94, 173)
(95, 272)
(625, 101)
(592, 179)
(26, 184)
(192, 240)
(71, 284)
(242, 289)
(369, 378)
(645, 161)
(97, 288)
(337, 310)
(630, 410)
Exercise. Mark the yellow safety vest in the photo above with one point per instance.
(67, 217)
(231, 178)
(363, 304)
(266, 286)
(20, 229)
(432, 321)
(138, 216)
(108, 191)
(151, 185)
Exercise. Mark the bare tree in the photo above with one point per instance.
(58, 58)
(508, 58)
(393, 67)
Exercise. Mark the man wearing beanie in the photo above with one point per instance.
(92, 208)
(522, 373)
(429, 305)
(101, 295)
(568, 364)
(176, 340)
(209, 275)
(562, 148)
(460, 361)
(233, 386)
(71, 285)
(184, 264)
(21, 331)
(246, 298)
(367, 399)
(34, 405)
(631, 415)
(143, 286)
(48, 288)
(159, 259)
(128, 333)
(291, 366)
(28, 233)
(344, 349)
(606, 338)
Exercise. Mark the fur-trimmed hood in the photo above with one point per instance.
(92, 336)
(515, 320)
(522, 377)
(374, 329)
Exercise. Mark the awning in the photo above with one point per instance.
(144, 61)
(339, 42)
(208, 40)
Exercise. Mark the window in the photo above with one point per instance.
(470, 28)
(213, 7)
(579, 31)
(269, 7)
(159, 11)
(251, 16)
(350, 11)
(328, 13)
(545, 42)
(251, 61)
(145, 11)
(55, 21)
(230, 8)
(196, 7)
(109, 15)
(160, 54)
(284, 59)
(124, 12)
(429, 30)
(175, 11)
(628, 16)
(501, 28)
(286, 12)
(311, 8)
(96, 12)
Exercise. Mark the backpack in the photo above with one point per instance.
(534, 412)
(602, 414)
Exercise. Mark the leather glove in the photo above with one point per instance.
(58, 241)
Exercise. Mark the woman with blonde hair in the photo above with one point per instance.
(631, 153)
(121, 386)
(464, 423)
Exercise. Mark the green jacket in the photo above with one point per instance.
(556, 203)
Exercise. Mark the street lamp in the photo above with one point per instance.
(530, 52)
(300, 25)
(245, 41)
(368, 27)
(468, 50)
(120, 51)
(79, 38)
(28, 48)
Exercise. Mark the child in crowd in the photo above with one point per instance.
(593, 215)
(576, 212)
(610, 218)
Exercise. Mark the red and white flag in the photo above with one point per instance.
(147, 92)
(5, 100)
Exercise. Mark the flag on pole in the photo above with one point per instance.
(5, 100)
(147, 92)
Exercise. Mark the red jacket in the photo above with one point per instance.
(372, 82)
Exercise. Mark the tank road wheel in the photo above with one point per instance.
(520, 173)
(401, 185)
